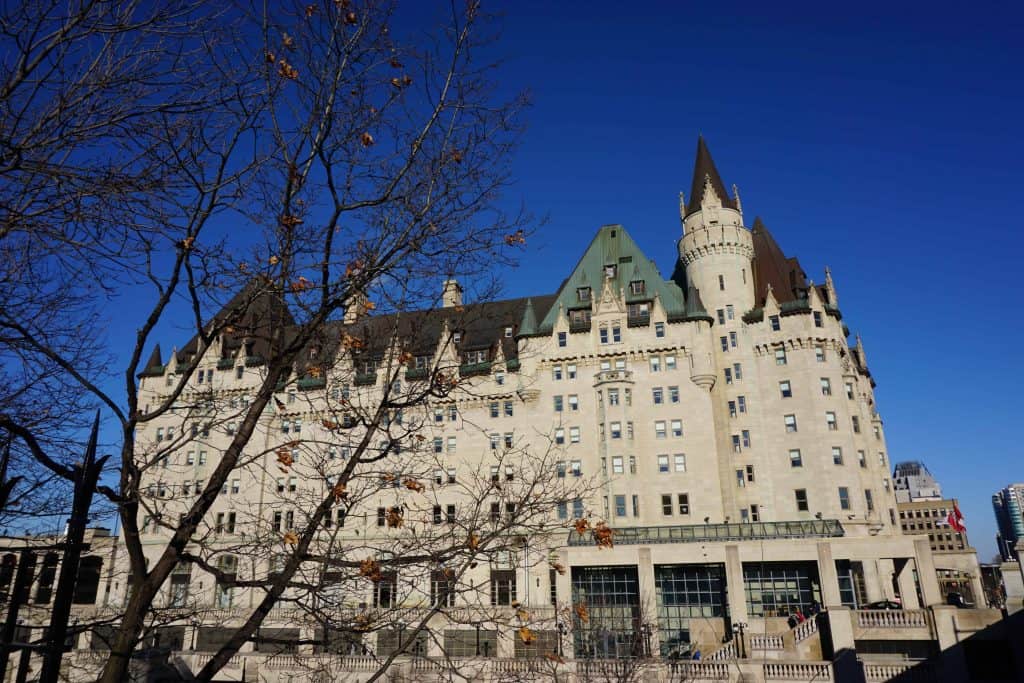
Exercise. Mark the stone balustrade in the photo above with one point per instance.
(699, 671)
(805, 629)
(798, 671)
(766, 642)
(916, 671)
(892, 618)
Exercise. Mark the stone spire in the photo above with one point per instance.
(155, 359)
(705, 176)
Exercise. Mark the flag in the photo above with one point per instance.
(955, 519)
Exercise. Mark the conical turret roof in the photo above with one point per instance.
(704, 169)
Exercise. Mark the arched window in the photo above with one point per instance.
(47, 576)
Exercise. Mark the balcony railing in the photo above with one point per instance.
(798, 671)
(697, 533)
(892, 618)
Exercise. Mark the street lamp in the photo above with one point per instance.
(738, 629)
(195, 631)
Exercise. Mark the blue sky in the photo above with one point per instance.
(880, 140)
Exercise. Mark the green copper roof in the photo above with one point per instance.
(613, 246)
(528, 325)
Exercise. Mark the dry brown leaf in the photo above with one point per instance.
(370, 568)
(394, 518)
(526, 635)
(290, 538)
(366, 139)
(582, 612)
(581, 525)
(339, 492)
(473, 542)
(558, 567)
(413, 485)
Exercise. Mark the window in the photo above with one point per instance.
(837, 455)
(190, 458)
(657, 395)
(819, 353)
(741, 402)
(830, 420)
(636, 505)
(869, 500)
(570, 371)
(508, 437)
(562, 339)
(659, 429)
(556, 372)
(862, 459)
(677, 428)
(790, 423)
(826, 387)
(680, 462)
(724, 341)
(673, 394)
(495, 440)
(557, 403)
(577, 507)
(560, 436)
(438, 444)
(732, 339)
(613, 397)
(574, 434)
(603, 334)
(583, 294)
(741, 480)
(785, 389)
(663, 464)
(755, 513)
(202, 457)
(736, 448)
(728, 375)
(794, 458)
(494, 473)
(659, 330)
(773, 321)
(746, 438)
(616, 429)
(730, 313)
(560, 469)
(849, 390)
(616, 334)
(617, 467)
(494, 409)
(453, 413)
(721, 282)
(732, 408)
(721, 316)
(574, 402)
(576, 467)
(780, 356)
(385, 591)
(666, 505)
(737, 371)
(684, 503)
(451, 444)
(620, 506)
(235, 486)
(655, 363)
(817, 319)
(856, 424)
(844, 498)
(801, 500)
(449, 514)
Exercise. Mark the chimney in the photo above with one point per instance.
(451, 295)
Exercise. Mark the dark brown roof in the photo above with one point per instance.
(772, 267)
(253, 315)
(704, 167)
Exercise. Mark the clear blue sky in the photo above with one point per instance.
(884, 142)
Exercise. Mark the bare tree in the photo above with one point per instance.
(293, 180)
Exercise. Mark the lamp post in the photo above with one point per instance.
(738, 628)
(194, 623)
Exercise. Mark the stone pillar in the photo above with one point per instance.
(908, 589)
(830, 596)
(734, 584)
(886, 572)
(872, 580)
(648, 598)
(564, 606)
(841, 641)
(952, 660)
(1013, 581)
(926, 573)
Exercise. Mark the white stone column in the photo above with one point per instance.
(908, 589)
(830, 596)
(734, 584)
(648, 597)
(926, 573)
(886, 572)
(872, 580)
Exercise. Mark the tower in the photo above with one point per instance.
(716, 248)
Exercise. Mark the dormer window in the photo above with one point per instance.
(639, 310)
(478, 356)
(457, 337)
(609, 270)
(638, 287)
(583, 294)
(579, 317)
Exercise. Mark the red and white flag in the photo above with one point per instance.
(956, 519)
